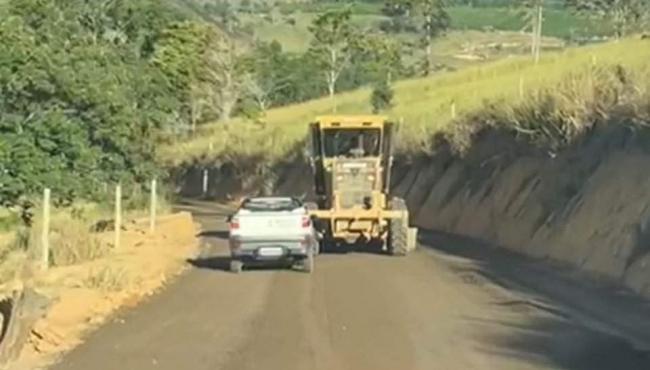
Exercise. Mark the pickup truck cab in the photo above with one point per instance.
(272, 229)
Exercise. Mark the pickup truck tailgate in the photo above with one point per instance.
(270, 225)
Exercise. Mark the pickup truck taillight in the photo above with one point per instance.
(234, 224)
(306, 222)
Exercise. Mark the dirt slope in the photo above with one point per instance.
(587, 206)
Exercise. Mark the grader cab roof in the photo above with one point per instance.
(351, 121)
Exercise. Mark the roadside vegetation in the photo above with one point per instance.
(81, 110)
(550, 101)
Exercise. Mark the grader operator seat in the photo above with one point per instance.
(351, 157)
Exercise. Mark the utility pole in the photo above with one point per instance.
(118, 215)
(45, 232)
(538, 29)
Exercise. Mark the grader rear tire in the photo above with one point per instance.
(398, 238)
(398, 230)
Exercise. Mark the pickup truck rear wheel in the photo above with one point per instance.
(236, 266)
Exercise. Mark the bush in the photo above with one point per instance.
(80, 106)
(382, 97)
(108, 278)
(72, 242)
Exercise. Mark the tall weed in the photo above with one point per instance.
(71, 237)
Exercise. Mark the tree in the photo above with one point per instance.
(399, 15)
(532, 12)
(225, 73)
(206, 67)
(331, 45)
(381, 56)
(79, 108)
(382, 59)
(179, 54)
(626, 15)
(268, 77)
(382, 97)
(436, 21)
(223, 13)
(433, 16)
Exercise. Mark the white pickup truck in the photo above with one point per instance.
(272, 229)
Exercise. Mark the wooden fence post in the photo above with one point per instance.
(453, 110)
(153, 205)
(118, 214)
(45, 232)
(205, 182)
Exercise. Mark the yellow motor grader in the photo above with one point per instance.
(351, 158)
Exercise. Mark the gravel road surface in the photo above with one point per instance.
(453, 304)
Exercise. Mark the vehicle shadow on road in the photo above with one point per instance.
(219, 263)
(222, 263)
(219, 234)
(354, 248)
(343, 247)
(548, 314)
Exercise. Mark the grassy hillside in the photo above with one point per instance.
(557, 22)
(287, 22)
(499, 89)
(291, 29)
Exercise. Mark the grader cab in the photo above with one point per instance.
(351, 158)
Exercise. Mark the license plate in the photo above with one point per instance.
(271, 252)
(281, 223)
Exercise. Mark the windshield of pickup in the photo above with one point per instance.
(270, 204)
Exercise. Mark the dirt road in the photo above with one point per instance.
(456, 307)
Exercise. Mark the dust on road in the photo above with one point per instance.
(431, 310)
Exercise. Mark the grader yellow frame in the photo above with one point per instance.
(352, 190)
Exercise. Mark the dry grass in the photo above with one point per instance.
(72, 239)
(76, 236)
(108, 279)
(13, 254)
(424, 104)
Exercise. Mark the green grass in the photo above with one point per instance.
(317, 7)
(447, 50)
(423, 104)
(558, 22)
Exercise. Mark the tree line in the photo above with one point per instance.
(81, 105)
(88, 89)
